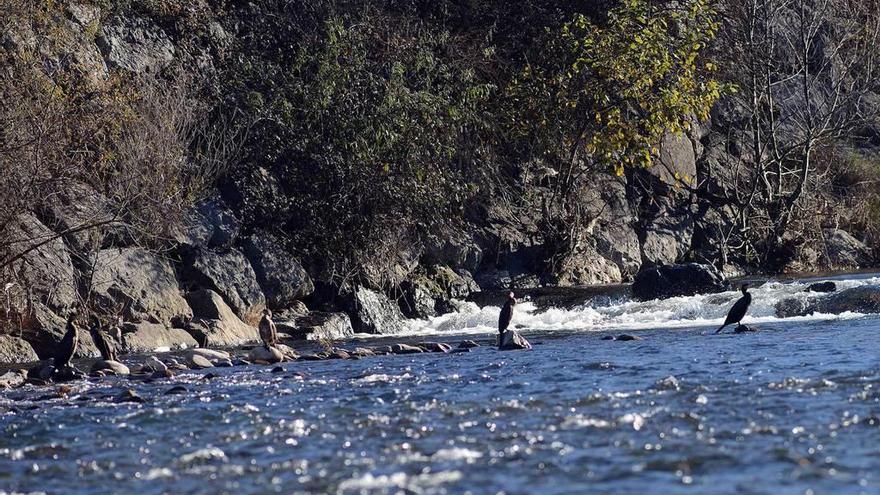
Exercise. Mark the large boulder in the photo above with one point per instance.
(135, 45)
(512, 341)
(667, 238)
(842, 250)
(417, 300)
(865, 299)
(141, 283)
(78, 205)
(16, 350)
(229, 274)
(458, 252)
(42, 284)
(661, 282)
(281, 277)
(44, 266)
(152, 337)
(215, 324)
(317, 325)
(585, 266)
(374, 312)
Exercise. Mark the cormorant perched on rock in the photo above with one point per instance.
(505, 316)
(102, 341)
(67, 347)
(268, 332)
(738, 311)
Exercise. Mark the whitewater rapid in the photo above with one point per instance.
(603, 314)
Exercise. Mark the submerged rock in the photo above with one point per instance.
(130, 396)
(663, 282)
(822, 287)
(865, 299)
(744, 329)
(790, 307)
(468, 344)
(512, 341)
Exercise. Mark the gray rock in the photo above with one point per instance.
(317, 326)
(79, 205)
(265, 354)
(661, 282)
(417, 301)
(374, 313)
(45, 266)
(222, 225)
(678, 161)
(865, 299)
(135, 45)
(512, 341)
(790, 307)
(16, 350)
(827, 286)
(216, 325)
(585, 266)
(667, 239)
(745, 329)
(141, 283)
(199, 362)
(152, 337)
(460, 252)
(229, 274)
(435, 346)
(842, 250)
(154, 364)
(114, 367)
(406, 349)
(281, 277)
(210, 354)
(13, 378)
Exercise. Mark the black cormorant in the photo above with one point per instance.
(67, 347)
(738, 311)
(505, 316)
(268, 332)
(102, 341)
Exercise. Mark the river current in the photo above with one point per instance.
(791, 409)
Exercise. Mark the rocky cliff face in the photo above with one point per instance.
(228, 261)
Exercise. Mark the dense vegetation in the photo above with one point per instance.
(362, 132)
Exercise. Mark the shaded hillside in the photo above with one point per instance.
(339, 153)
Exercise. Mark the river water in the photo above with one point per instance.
(792, 409)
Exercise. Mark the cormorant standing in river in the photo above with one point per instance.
(738, 311)
(268, 332)
(67, 347)
(102, 341)
(505, 317)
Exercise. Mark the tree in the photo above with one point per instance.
(806, 70)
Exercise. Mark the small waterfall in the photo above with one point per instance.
(604, 314)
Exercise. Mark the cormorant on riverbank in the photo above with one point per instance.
(505, 316)
(268, 332)
(67, 346)
(102, 341)
(738, 311)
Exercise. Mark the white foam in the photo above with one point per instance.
(705, 310)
